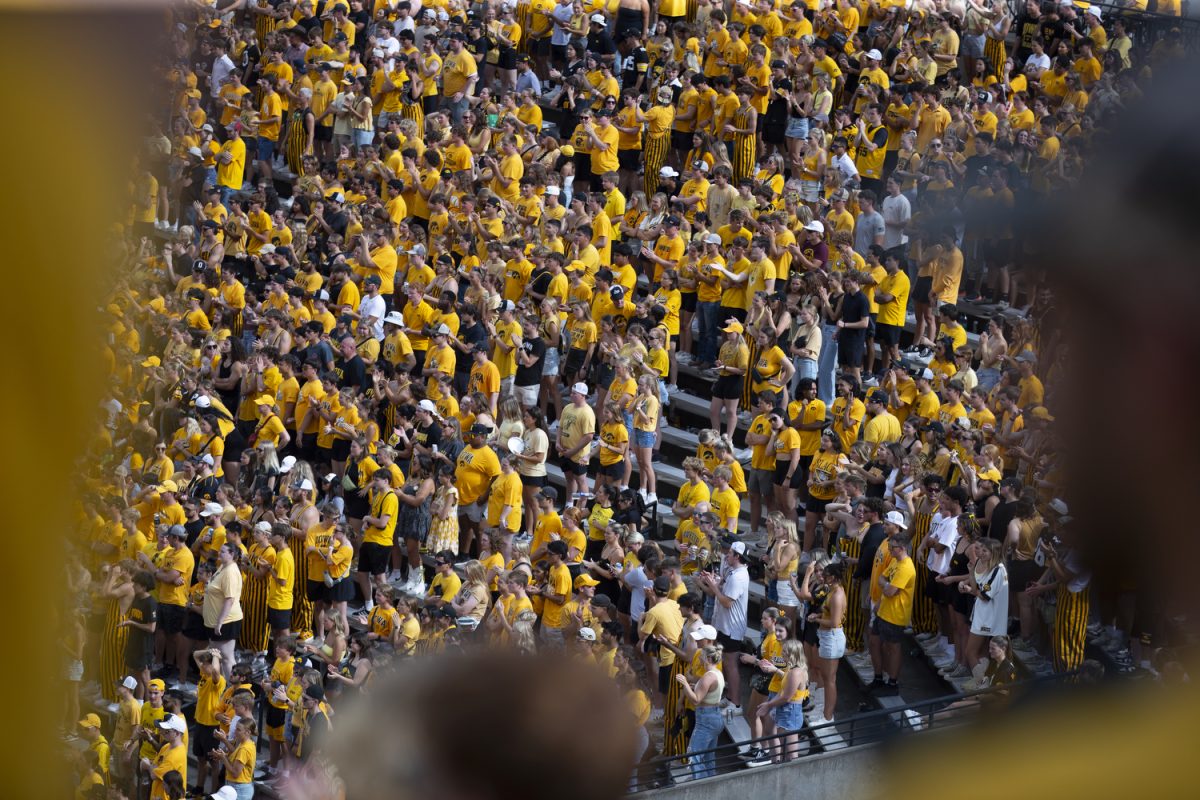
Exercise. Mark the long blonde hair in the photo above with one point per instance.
(793, 654)
(522, 632)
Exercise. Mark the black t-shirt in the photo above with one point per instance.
(632, 65)
(866, 553)
(1002, 515)
(531, 375)
(600, 44)
(429, 435)
(876, 489)
(145, 611)
(351, 373)
(974, 164)
(470, 335)
(855, 308)
(195, 190)
(193, 528)
(479, 47)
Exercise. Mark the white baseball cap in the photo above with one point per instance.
(704, 632)
(287, 464)
(173, 723)
(203, 402)
(815, 226)
(226, 792)
(552, 190)
(739, 548)
(211, 509)
(896, 518)
(712, 238)
(587, 634)
(580, 388)
(428, 405)
(599, 19)
(207, 459)
(305, 485)
(874, 55)
(668, 172)
(129, 682)
(927, 374)
(265, 527)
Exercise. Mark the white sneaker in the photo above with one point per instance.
(943, 663)
(925, 637)
(651, 499)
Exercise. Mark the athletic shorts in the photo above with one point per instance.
(171, 618)
(728, 643)
(887, 631)
(887, 335)
(315, 590)
(629, 159)
(373, 559)
(687, 302)
(323, 133)
(204, 740)
(815, 505)
(280, 619)
(533, 481)
(341, 592)
(728, 387)
(570, 467)
(922, 289)
(615, 471)
(781, 478)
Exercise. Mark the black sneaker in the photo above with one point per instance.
(891, 688)
(876, 685)
(758, 758)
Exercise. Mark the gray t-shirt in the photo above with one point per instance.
(867, 227)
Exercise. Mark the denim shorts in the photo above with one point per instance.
(643, 438)
(797, 128)
(266, 149)
(789, 716)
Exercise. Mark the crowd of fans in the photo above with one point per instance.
(390, 267)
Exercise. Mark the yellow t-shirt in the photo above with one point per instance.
(898, 608)
(475, 470)
(558, 581)
(383, 504)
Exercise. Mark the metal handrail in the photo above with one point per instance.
(870, 727)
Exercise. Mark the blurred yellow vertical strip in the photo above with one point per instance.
(65, 141)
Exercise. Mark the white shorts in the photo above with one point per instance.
(527, 396)
(831, 643)
(473, 512)
(786, 596)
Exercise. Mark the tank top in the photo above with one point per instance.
(1027, 537)
(713, 698)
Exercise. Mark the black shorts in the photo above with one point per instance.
(558, 52)
(541, 47)
(760, 123)
(341, 449)
(815, 505)
(726, 312)
(139, 652)
(508, 58)
(341, 592)
(275, 716)
(315, 591)
(171, 618)
(325, 455)
(774, 133)
(280, 619)
(593, 550)
(851, 350)
(616, 470)
(323, 133)
(871, 325)
(682, 140)
(235, 443)
(194, 628)
(575, 358)
(204, 740)
(1022, 573)
(887, 335)
(629, 159)
(728, 387)
(570, 467)
(781, 478)
(533, 481)
(687, 302)
(229, 631)
(887, 631)
(921, 290)
(728, 643)
(373, 559)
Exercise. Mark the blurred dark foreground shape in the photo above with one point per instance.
(483, 726)
(1124, 257)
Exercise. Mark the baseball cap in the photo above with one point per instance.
(152, 361)
(739, 548)
(264, 527)
(479, 430)
(734, 327)
(202, 402)
(129, 682)
(336, 197)
(428, 405)
(168, 486)
(1027, 356)
(316, 692)
(662, 585)
(580, 388)
(926, 373)
(587, 634)
(286, 465)
(173, 723)
(265, 400)
(305, 485)
(177, 532)
(712, 238)
(195, 151)
(211, 509)
(226, 792)
(585, 580)
(599, 19)
(442, 330)
(91, 720)
(156, 683)
(874, 55)
(704, 632)
(815, 226)
(668, 172)
(896, 518)
(1059, 506)
(616, 292)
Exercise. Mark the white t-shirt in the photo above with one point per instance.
(731, 620)
(374, 307)
(943, 531)
(897, 211)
